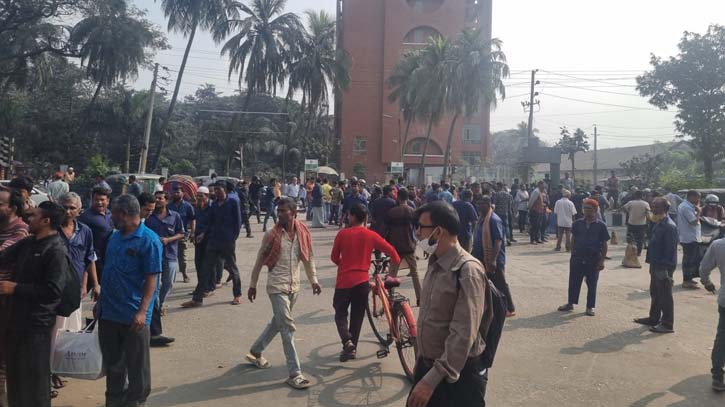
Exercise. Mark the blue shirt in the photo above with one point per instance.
(662, 249)
(101, 226)
(351, 200)
(129, 259)
(686, 214)
(467, 215)
(432, 196)
(202, 220)
(316, 196)
(186, 211)
(589, 238)
(497, 233)
(80, 248)
(225, 221)
(446, 196)
(169, 226)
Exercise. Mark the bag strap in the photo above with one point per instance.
(90, 326)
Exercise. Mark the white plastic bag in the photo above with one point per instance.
(78, 355)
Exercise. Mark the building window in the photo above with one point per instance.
(471, 134)
(471, 157)
(360, 145)
(419, 35)
(425, 6)
(417, 145)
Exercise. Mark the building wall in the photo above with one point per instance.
(373, 34)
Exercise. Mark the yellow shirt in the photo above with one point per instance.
(326, 196)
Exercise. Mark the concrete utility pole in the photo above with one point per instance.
(595, 156)
(147, 133)
(531, 106)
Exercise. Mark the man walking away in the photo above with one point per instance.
(57, 188)
(522, 204)
(202, 212)
(715, 257)
(134, 188)
(468, 217)
(399, 233)
(662, 259)
(326, 199)
(43, 272)
(688, 227)
(490, 250)
(283, 248)
(225, 222)
(537, 210)
(318, 212)
(245, 206)
(130, 282)
(504, 208)
(269, 203)
(454, 303)
(255, 193)
(351, 253)
(379, 209)
(637, 211)
(589, 249)
(188, 219)
(336, 197)
(565, 212)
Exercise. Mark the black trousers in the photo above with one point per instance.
(636, 234)
(245, 222)
(522, 220)
(126, 357)
(28, 368)
(662, 308)
(216, 255)
(156, 328)
(718, 349)
(468, 391)
(182, 256)
(499, 281)
(534, 226)
(355, 299)
(691, 258)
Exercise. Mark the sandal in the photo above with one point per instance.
(237, 301)
(298, 382)
(258, 362)
(53, 394)
(57, 381)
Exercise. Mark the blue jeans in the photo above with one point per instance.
(168, 275)
(325, 212)
(282, 323)
(718, 349)
(271, 211)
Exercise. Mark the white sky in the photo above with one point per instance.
(597, 45)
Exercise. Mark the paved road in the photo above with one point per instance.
(546, 358)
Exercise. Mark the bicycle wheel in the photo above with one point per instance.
(376, 315)
(406, 342)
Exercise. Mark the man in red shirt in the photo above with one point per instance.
(351, 253)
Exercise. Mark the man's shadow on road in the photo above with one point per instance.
(364, 384)
(543, 321)
(613, 342)
(694, 390)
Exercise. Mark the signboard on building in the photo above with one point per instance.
(311, 165)
(396, 167)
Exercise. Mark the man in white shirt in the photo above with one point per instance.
(565, 211)
(637, 211)
(688, 228)
(715, 257)
(675, 201)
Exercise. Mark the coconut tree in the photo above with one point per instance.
(261, 45)
(186, 17)
(404, 91)
(315, 63)
(479, 67)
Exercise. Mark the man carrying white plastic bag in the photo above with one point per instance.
(78, 354)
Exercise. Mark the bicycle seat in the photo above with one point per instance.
(392, 282)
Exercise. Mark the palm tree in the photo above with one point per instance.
(112, 44)
(262, 44)
(404, 91)
(185, 17)
(477, 78)
(315, 63)
(432, 78)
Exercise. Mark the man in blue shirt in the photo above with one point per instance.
(354, 197)
(224, 223)
(446, 194)
(493, 256)
(202, 211)
(589, 249)
(434, 194)
(98, 218)
(132, 271)
(662, 259)
(688, 228)
(468, 216)
(186, 211)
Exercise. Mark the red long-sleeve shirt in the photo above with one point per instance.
(351, 252)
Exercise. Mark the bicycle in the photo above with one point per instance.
(391, 323)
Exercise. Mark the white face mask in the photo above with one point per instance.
(426, 244)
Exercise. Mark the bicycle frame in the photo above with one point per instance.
(385, 298)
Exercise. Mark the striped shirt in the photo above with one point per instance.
(13, 233)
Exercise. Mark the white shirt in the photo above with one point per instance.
(637, 211)
(158, 187)
(565, 211)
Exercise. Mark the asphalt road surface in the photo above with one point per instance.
(546, 358)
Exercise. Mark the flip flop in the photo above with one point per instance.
(236, 301)
(298, 382)
(57, 381)
(258, 362)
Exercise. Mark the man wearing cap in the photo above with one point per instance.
(188, 219)
(57, 188)
(589, 249)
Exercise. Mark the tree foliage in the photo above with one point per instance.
(571, 144)
(693, 82)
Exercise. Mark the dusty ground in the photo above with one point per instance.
(546, 358)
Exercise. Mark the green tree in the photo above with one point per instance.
(476, 77)
(404, 91)
(694, 83)
(260, 48)
(643, 169)
(571, 144)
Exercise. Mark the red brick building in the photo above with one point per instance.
(376, 33)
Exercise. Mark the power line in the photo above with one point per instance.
(603, 104)
(595, 90)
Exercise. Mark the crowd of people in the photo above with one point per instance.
(126, 255)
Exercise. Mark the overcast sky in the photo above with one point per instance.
(588, 53)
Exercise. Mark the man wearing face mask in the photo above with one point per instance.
(448, 371)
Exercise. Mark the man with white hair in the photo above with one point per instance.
(565, 211)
